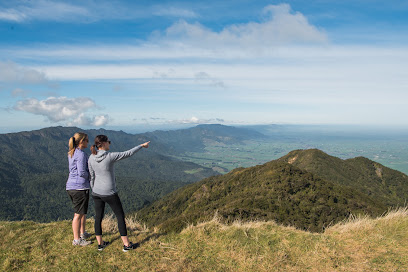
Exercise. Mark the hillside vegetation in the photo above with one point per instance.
(34, 167)
(307, 189)
(358, 244)
(366, 176)
(34, 170)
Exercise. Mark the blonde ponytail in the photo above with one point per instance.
(75, 141)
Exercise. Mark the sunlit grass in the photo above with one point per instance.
(357, 244)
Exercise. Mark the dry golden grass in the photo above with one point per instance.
(357, 244)
(110, 225)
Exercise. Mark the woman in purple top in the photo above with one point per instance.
(78, 186)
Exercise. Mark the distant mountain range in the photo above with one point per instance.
(34, 167)
(306, 188)
(196, 138)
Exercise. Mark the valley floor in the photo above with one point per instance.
(223, 158)
(360, 244)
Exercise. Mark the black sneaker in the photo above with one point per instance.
(131, 246)
(102, 247)
(85, 235)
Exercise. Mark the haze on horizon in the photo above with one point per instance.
(181, 63)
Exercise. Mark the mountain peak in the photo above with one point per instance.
(307, 157)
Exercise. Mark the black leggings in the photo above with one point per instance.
(116, 206)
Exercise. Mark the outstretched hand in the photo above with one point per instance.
(146, 144)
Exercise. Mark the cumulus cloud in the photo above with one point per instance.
(11, 72)
(100, 120)
(83, 120)
(279, 27)
(57, 109)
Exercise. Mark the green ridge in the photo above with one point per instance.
(277, 190)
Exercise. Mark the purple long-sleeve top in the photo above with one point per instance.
(78, 178)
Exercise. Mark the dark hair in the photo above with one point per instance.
(98, 143)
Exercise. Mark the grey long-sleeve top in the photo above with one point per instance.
(101, 170)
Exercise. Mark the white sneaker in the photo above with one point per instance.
(81, 242)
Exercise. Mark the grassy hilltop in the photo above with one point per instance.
(359, 244)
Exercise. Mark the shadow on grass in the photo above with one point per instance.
(149, 237)
(115, 237)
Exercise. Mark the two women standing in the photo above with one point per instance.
(101, 178)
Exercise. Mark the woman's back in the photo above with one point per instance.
(101, 168)
(78, 178)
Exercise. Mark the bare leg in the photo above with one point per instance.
(76, 225)
(83, 223)
(99, 239)
(125, 240)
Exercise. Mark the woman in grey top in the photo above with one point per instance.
(103, 184)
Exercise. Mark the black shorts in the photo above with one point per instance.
(80, 200)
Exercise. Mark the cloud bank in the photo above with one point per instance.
(195, 120)
(183, 40)
(188, 121)
(12, 72)
(20, 11)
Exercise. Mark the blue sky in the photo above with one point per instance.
(127, 64)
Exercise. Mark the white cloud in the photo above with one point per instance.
(280, 27)
(21, 11)
(155, 119)
(11, 72)
(206, 79)
(83, 120)
(195, 120)
(100, 120)
(57, 109)
(174, 12)
(188, 121)
(11, 15)
(43, 10)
